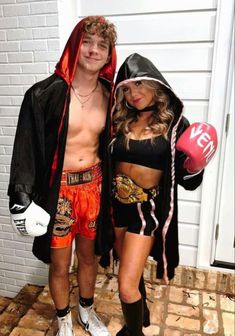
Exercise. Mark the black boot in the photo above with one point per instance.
(133, 315)
(146, 313)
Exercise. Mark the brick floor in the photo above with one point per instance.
(196, 303)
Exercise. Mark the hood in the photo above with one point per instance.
(67, 64)
(137, 67)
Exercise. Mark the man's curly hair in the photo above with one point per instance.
(102, 27)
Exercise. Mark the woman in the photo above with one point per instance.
(147, 123)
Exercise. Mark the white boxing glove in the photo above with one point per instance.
(31, 222)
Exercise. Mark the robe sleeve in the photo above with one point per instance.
(23, 164)
(183, 177)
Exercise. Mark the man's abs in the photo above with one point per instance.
(78, 155)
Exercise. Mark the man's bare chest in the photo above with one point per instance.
(91, 119)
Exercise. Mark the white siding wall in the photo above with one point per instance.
(29, 48)
(178, 36)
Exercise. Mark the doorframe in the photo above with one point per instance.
(217, 104)
(229, 106)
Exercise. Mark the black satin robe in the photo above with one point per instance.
(40, 140)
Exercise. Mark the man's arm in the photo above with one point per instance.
(27, 217)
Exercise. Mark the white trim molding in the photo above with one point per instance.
(220, 86)
(67, 19)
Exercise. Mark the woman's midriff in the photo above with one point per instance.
(144, 177)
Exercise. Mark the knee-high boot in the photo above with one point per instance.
(146, 313)
(133, 315)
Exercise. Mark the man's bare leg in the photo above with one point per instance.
(87, 266)
(59, 288)
(59, 276)
(87, 272)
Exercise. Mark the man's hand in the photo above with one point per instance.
(28, 218)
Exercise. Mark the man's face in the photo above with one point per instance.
(94, 53)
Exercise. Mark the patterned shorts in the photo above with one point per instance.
(78, 206)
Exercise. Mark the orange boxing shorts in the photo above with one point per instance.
(78, 205)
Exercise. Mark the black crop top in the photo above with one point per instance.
(142, 152)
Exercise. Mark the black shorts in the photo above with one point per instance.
(140, 218)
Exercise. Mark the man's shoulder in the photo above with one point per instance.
(50, 84)
(105, 90)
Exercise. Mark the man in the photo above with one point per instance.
(60, 168)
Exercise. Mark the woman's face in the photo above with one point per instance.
(138, 95)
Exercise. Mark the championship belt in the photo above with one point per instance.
(127, 192)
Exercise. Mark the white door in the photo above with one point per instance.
(224, 248)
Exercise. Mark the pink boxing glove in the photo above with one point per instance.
(199, 143)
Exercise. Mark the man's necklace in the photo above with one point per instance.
(88, 96)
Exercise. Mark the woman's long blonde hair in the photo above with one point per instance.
(161, 118)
